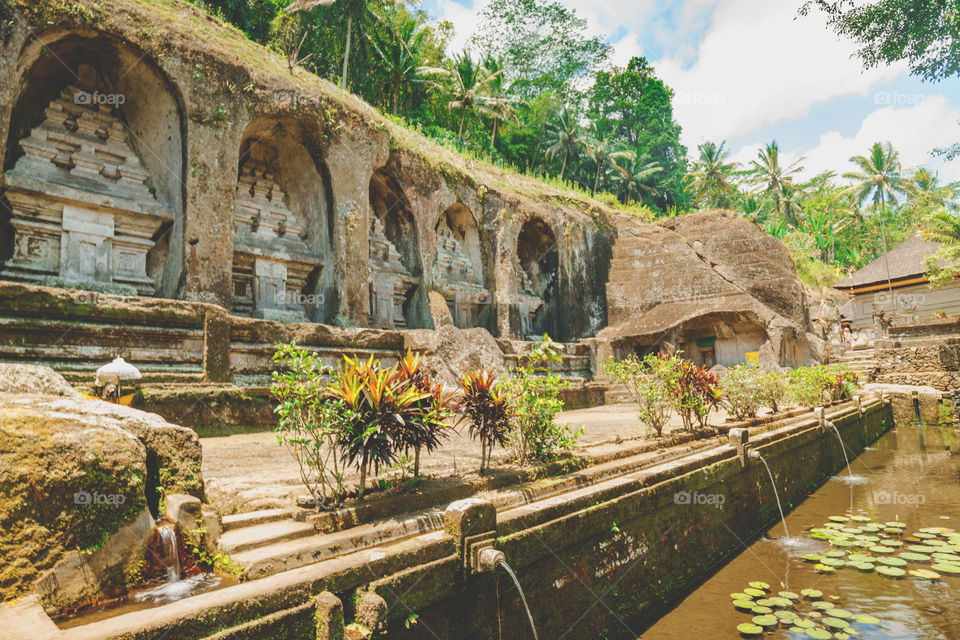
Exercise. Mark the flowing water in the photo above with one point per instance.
(506, 567)
(912, 476)
(776, 494)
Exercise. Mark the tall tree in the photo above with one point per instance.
(603, 152)
(636, 107)
(879, 178)
(773, 178)
(712, 176)
(469, 90)
(358, 13)
(499, 97)
(401, 55)
(564, 136)
(635, 177)
(543, 45)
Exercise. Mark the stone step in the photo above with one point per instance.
(263, 535)
(282, 556)
(253, 518)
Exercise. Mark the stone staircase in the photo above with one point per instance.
(269, 541)
(863, 362)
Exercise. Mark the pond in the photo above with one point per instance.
(866, 566)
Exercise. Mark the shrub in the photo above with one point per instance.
(310, 426)
(743, 389)
(536, 396)
(773, 389)
(649, 381)
(821, 383)
(487, 410)
(426, 429)
(695, 391)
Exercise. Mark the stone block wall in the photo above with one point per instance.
(933, 361)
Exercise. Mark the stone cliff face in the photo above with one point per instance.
(282, 196)
(709, 276)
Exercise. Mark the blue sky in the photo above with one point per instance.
(749, 71)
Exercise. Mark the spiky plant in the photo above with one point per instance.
(427, 428)
(486, 409)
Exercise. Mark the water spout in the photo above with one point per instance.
(171, 555)
(488, 560)
(917, 416)
(756, 454)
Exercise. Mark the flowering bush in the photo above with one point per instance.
(743, 390)
(650, 382)
(486, 407)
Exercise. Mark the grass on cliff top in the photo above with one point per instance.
(163, 26)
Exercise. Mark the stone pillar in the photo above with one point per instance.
(216, 345)
(329, 616)
(372, 613)
(351, 160)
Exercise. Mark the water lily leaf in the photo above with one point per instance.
(812, 557)
(947, 568)
(762, 611)
(790, 595)
(744, 605)
(819, 634)
(823, 605)
(922, 548)
(824, 568)
(805, 624)
(756, 593)
(891, 543)
(749, 629)
(781, 603)
(741, 596)
(840, 613)
(895, 525)
(838, 518)
(760, 585)
(766, 621)
(909, 556)
(881, 549)
(949, 558)
(860, 518)
(862, 618)
(892, 562)
(786, 616)
(835, 554)
(865, 567)
(763, 602)
(926, 536)
(836, 623)
(892, 572)
(811, 593)
(925, 574)
(834, 562)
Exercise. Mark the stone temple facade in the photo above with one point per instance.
(189, 165)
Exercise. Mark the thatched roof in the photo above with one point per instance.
(906, 261)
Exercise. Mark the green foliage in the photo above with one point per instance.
(534, 436)
(696, 392)
(311, 426)
(486, 408)
(650, 382)
(743, 388)
(821, 383)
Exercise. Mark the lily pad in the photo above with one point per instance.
(840, 613)
(763, 602)
(781, 603)
(749, 629)
(865, 567)
(823, 605)
(786, 616)
(760, 585)
(834, 562)
(910, 556)
(761, 611)
(755, 593)
(819, 634)
(835, 623)
(863, 618)
(882, 549)
(812, 557)
(766, 621)
(948, 568)
(838, 518)
(805, 624)
(744, 605)
(891, 543)
(892, 572)
(811, 593)
(895, 524)
(892, 562)
(790, 595)
(925, 574)
(822, 568)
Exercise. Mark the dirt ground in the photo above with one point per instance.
(251, 470)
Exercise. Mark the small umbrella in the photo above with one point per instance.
(116, 371)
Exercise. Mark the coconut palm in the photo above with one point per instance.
(925, 193)
(712, 177)
(603, 152)
(879, 178)
(471, 84)
(634, 175)
(400, 53)
(563, 136)
(772, 178)
(357, 12)
(501, 104)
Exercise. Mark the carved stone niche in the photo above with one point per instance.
(457, 279)
(529, 303)
(390, 282)
(271, 262)
(82, 208)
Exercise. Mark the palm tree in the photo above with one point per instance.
(603, 152)
(356, 11)
(563, 135)
(880, 177)
(470, 87)
(711, 176)
(634, 177)
(400, 54)
(501, 104)
(925, 193)
(770, 177)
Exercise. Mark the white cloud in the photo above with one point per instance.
(759, 64)
(912, 130)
